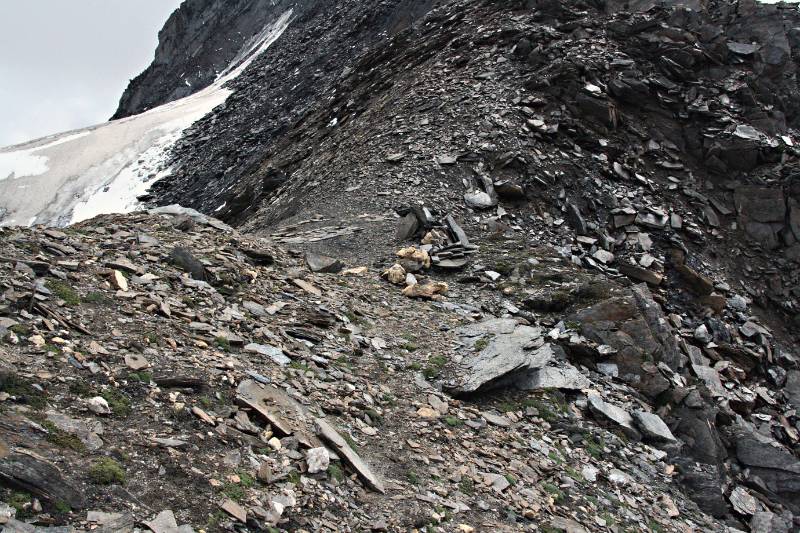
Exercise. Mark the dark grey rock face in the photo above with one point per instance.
(199, 40)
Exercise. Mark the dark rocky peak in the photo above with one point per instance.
(199, 40)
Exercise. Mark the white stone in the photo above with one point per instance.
(99, 405)
(318, 460)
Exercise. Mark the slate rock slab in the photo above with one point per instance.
(499, 347)
(327, 433)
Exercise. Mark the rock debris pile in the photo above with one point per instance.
(520, 266)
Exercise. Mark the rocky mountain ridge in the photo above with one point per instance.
(591, 207)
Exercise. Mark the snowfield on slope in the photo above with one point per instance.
(73, 176)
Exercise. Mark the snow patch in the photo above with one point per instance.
(22, 163)
(103, 169)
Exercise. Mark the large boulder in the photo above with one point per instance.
(499, 348)
(633, 324)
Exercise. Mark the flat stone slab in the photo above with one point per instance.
(566, 378)
(612, 413)
(503, 347)
(275, 354)
(653, 427)
(286, 416)
(323, 263)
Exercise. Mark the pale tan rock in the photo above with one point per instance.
(119, 281)
(308, 287)
(235, 510)
(415, 254)
(430, 290)
(358, 271)
(427, 412)
(396, 275)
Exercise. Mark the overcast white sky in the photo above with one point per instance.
(65, 63)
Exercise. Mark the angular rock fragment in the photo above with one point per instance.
(428, 291)
(308, 287)
(275, 354)
(326, 432)
(235, 510)
(565, 377)
(653, 427)
(777, 468)
(286, 416)
(323, 263)
(641, 274)
(165, 522)
(618, 416)
(743, 502)
(318, 460)
(407, 227)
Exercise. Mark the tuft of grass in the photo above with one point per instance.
(547, 411)
(62, 507)
(297, 365)
(247, 480)
(350, 441)
(22, 331)
(412, 477)
(594, 446)
(434, 367)
(97, 298)
(223, 344)
(466, 486)
(453, 421)
(552, 489)
(234, 491)
(119, 403)
(609, 518)
(20, 501)
(335, 472)
(61, 438)
(141, 377)
(410, 347)
(64, 292)
(481, 344)
(20, 388)
(80, 388)
(215, 520)
(107, 471)
(574, 474)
